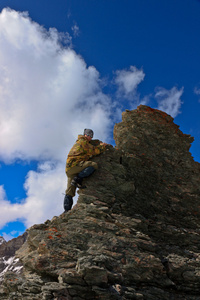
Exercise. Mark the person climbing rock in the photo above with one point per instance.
(78, 165)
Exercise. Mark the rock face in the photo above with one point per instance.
(134, 233)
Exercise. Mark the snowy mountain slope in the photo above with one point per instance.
(8, 261)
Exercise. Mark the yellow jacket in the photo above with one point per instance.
(82, 150)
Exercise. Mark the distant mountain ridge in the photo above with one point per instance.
(2, 240)
(135, 231)
(8, 261)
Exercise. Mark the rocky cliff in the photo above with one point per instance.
(134, 233)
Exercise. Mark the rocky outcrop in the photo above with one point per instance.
(134, 233)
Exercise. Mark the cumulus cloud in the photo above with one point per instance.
(8, 211)
(169, 100)
(45, 91)
(47, 97)
(128, 81)
(45, 188)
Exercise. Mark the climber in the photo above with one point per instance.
(78, 165)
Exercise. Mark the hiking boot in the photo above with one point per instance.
(77, 182)
(68, 202)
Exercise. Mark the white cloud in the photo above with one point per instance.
(169, 100)
(45, 90)
(45, 193)
(8, 211)
(47, 97)
(128, 81)
(2, 192)
(76, 30)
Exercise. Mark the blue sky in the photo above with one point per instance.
(66, 65)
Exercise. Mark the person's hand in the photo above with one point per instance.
(103, 144)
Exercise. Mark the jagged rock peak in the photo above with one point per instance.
(134, 233)
(152, 133)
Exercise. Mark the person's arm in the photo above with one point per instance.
(93, 150)
(100, 148)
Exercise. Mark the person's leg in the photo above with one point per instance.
(71, 189)
(84, 164)
(86, 172)
(84, 169)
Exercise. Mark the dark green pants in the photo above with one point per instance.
(71, 189)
